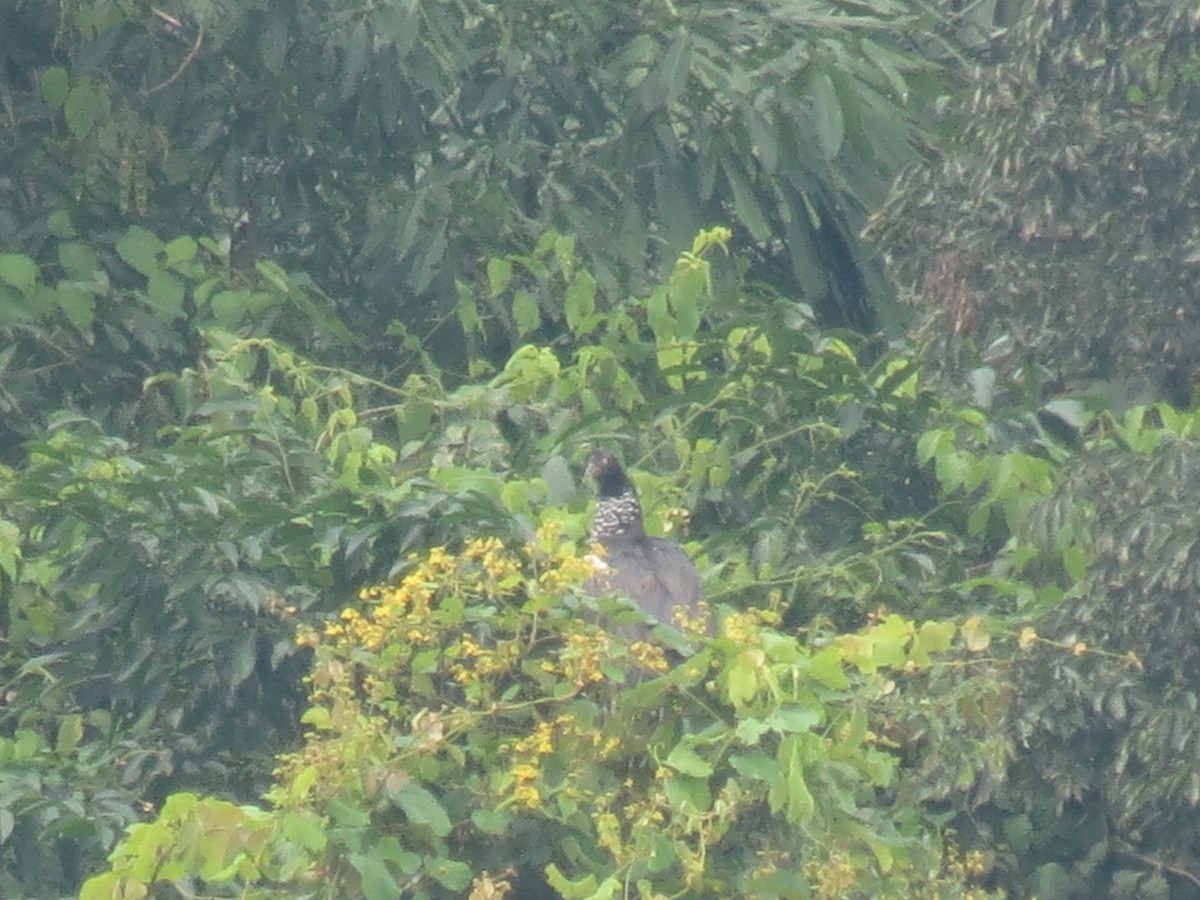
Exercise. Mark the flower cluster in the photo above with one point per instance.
(576, 743)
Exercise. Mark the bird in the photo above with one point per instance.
(654, 572)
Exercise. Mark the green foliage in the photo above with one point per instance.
(1052, 240)
(1112, 731)
(159, 585)
(1069, 740)
(386, 149)
(469, 720)
(123, 308)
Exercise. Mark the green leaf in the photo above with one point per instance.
(181, 250)
(422, 808)
(18, 270)
(139, 249)
(499, 273)
(10, 550)
(580, 302)
(828, 112)
(77, 304)
(570, 890)
(684, 759)
(78, 260)
(663, 85)
(303, 828)
(274, 274)
(55, 85)
(468, 309)
(491, 821)
(70, 733)
(60, 225)
(377, 880)
(451, 874)
(800, 806)
(745, 203)
(688, 795)
(756, 765)
(526, 313)
(81, 106)
(1075, 562)
(107, 885)
(931, 637)
(244, 657)
(165, 293)
(564, 252)
(228, 307)
(826, 667)
(793, 718)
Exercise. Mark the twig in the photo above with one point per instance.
(187, 60)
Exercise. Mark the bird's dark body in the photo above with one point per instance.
(654, 572)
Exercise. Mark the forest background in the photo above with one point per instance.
(311, 312)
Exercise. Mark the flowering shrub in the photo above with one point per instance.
(473, 730)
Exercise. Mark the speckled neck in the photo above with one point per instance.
(618, 515)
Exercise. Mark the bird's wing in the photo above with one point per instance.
(657, 574)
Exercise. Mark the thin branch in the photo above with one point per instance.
(187, 60)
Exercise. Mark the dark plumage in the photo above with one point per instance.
(652, 571)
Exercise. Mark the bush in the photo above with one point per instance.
(470, 725)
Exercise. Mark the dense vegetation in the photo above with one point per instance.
(311, 313)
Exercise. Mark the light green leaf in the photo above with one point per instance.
(1075, 562)
(499, 273)
(793, 718)
(526, 313)
(688, 795)
(165, 293)
(139, 249)
(227, 307)
(491, 821)
(684, 759)
(18, 270)
(799, 805)
(182, 249)
(70, 732)
(451, 874)
(756, 765)
(571, 890)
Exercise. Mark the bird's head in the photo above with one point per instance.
(618, 511)
(610, 478)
